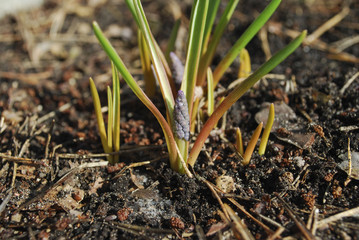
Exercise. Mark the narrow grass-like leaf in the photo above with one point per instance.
(160, 71)
(150, 81)
(239, 91)
(207, 57)
(239, 141)
(244, 39)
(211, 16)
(251, 145)
(112, 54)
(244, 64)
(116, 112)
(99, 117)
(267, 129)
(194, 50)
(210, 95)
(131, 6)
(109, 120)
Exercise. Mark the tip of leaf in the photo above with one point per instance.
(303, 34)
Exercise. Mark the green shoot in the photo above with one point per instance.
(150, 81)
(239, 142)
(110, 140)
(266, 132)
(210, 95)
(244, 40)
(196, 36)
(251, 145)
(110, 118)
(99, 117)
(208, 55)
(116, 112)
(245, 68)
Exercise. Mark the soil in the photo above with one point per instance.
(55, 184)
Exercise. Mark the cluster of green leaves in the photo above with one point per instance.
(201, 48)
(246, 155)
(110, 139)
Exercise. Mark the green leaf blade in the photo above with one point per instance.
(194, 50)
(250, 32)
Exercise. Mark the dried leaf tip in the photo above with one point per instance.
(181, 117)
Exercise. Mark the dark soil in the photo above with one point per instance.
(49, 134)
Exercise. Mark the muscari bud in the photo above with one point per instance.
(181, 117)
(178, 69)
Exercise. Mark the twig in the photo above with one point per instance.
(271, 221)
(53, 113)
(315, 221)
(200, 233)
(344, 43)
(240, 207)
(327, 25)
(215, 190)
(312, 220)
(348, 128)
(3, 126)
(6, 200)
(132, 165)
(347, 84)
(26, 161)
(277, 233)
(322, 46)
(306, 233)
(139, 230)
(48, 139)
(209, 185)
(323, 223)
(263, 36)
(60, 181)
(238, 226)
(99, 155)
(350, 164)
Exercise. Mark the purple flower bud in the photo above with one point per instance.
(181, 117)
(178, 69)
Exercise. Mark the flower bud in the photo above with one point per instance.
(178, 69)
(181, 117)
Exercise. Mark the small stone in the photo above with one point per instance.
(226, 184)
(16, 217)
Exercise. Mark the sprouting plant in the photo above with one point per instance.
(111, 138)
(245, 64)
(253, 141)
(200, 51)
(267, 130)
